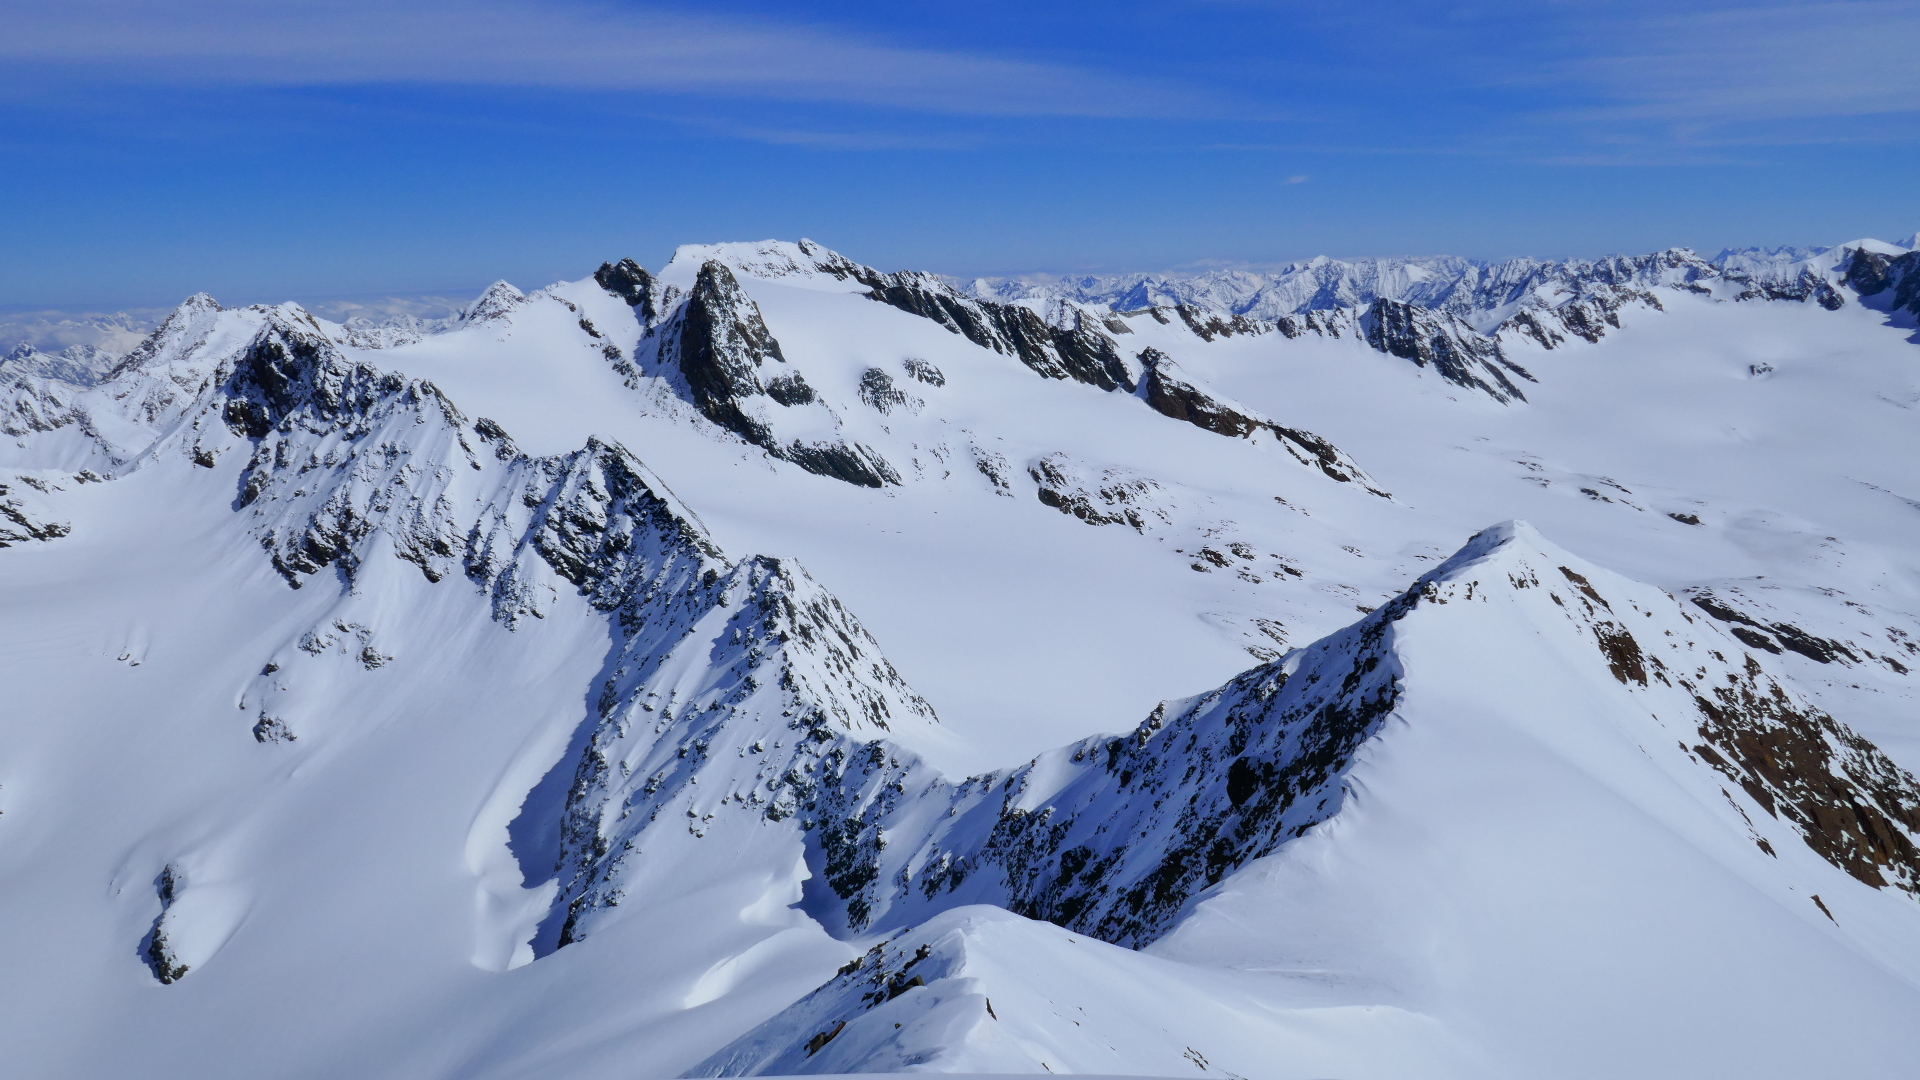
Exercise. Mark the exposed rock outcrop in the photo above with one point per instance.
(1873, 274)
(742, 691)
(1164, 387)
(629, 281)
(1808, 286)
(497, 301)
(734, 372)
(1114, 836)
(1453, 349)
(1074, 349)
(1110, 496)
(26, 513)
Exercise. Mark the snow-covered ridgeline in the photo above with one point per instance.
(1055, 325)
(713, 349)
(1112, 837)
(1464, 333)
(1115, 837)
(344, 463)
(1067, 338)
(711, 346)
(751, 677)
(1487, 294)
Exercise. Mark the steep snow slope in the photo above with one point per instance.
(976, 546)
(1642, 802)
(470, 699)
(894, 554)
(977, 989)
(336, 780)
(1660, 876)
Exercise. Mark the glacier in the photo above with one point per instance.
(771, 665)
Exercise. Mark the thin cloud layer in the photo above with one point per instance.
(1755, 65)
(579, 46)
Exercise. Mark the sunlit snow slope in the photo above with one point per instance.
(775, 666)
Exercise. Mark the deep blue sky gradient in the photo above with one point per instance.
(285, 148)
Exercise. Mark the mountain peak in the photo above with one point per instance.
(496, 300)
(1511, 538)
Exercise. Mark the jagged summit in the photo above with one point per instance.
(497, 300)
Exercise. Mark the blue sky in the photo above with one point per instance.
(268, 149)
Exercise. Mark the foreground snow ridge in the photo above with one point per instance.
(1114, 838)
(549, 742)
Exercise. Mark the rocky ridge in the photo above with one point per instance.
(1170, 392)
(1115, 836)
(712, 345)
(344, 462)
(1895, 279)
(716, 349)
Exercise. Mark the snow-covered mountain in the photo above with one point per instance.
(1486, 294)
(774, 665)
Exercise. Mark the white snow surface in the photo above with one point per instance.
(461, 700)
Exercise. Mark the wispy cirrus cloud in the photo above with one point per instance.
(558, 44)
(1778, 74)
(1613, 82)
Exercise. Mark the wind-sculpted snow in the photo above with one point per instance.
(344, 461)
(1115, 837)
(979, 990)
